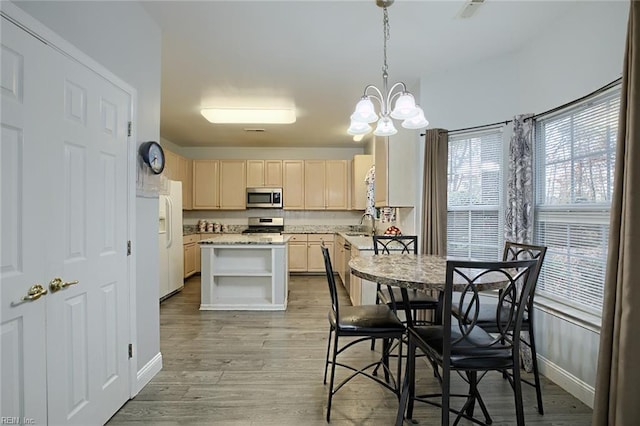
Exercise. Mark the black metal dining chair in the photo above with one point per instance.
(486, 317)
(392, 296)
(362, 323)
(460, 345)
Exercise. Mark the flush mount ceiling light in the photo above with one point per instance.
(249, 115)
(405, 106)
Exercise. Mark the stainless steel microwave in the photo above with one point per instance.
(264, 198)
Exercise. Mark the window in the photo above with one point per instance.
(474, 193)
(575, 158)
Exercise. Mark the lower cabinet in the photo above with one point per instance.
(305, 254)
(361, 292)
(191, 254)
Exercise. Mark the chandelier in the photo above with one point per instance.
(405, 107)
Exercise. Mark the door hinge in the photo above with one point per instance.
(130, 350)
(129, 248)
(129, 124)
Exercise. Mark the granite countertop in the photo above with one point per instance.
(361, 242)
(246, 239)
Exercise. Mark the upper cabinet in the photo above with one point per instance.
(359, 168)
(395, 160)
(180, 168)
(233, 185)
(267, 173)
(293, 184)
(206, 181)
(219, 184)
(325, 185)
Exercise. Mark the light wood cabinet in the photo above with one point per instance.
(298, 253)
(359, 168)
(293, 184)
(395, 170)
(206, 194)
(219, 184)
(314, 185)
(233, 185)
(267, 173)
(315, 260)
(325, 184)
(179, 168)
(336, 184)
(191, 254)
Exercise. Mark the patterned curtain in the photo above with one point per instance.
(518, 224)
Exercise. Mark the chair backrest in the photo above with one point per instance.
(333, 291)
(519, 251)
(385, 244)
(518, 277)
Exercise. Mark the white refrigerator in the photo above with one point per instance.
(170, 240)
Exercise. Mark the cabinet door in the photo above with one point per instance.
(381, 160)
(186, 166)
(171, 165)
(255, 173)
(205, 184)
(189, 259)
(273, 173)
(298, 257)
(293, 184)
(314, 185)
(336, 186)
(233, 185)
(315, 260)
(359, 170)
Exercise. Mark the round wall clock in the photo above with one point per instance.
(153, 155)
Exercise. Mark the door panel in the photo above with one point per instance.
(23, 164)
(90, 380)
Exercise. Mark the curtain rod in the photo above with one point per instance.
(476, 127)
(576, 101)
(568, 104)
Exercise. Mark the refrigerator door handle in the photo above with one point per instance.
(169, 222)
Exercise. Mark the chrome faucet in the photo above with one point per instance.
(371, 229)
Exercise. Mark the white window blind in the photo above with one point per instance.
(575, 158)
(474, 195)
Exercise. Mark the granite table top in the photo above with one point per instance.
(246, 239)
(418, 272)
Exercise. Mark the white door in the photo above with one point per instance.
(23, 171)
(71, 140)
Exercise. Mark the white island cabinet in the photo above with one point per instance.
(244, 272)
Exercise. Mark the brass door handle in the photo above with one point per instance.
(57, 284)
(34, 293)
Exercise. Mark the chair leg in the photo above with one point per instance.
(406, 384)
(326, 363)
(517, 392)
(386, 347)
(446, 389)
(373, 341)
(536, 373)
(333, 375)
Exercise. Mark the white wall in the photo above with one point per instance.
(125, 40)
(578, 54)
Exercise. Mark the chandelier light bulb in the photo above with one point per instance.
(365, 111)
(405, 107)
(385, 127)
(358, 128)
(416, 122)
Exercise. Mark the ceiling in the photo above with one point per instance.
(316, 56)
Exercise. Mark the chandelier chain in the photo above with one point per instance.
(385, 22)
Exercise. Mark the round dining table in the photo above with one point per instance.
(422, 272)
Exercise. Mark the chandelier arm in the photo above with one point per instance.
(391, 96)
(379, 97)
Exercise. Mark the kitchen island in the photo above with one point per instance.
(244, 272)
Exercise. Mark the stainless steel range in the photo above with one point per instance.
(265, 225)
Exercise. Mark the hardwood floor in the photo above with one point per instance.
(265, 368)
